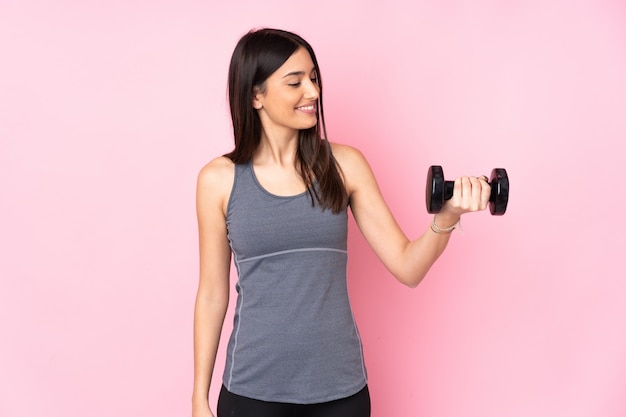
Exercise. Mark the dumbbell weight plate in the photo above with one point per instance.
(434, 189)
(499, 191)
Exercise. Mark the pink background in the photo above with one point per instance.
(108, 109)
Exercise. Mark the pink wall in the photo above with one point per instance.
(109, 109)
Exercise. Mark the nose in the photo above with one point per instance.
(312, 91)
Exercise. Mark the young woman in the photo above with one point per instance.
(277, 206)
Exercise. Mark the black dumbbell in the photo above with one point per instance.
(438, 190)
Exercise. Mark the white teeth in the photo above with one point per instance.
(307, 108)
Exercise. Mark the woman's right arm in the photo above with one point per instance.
(213, 190)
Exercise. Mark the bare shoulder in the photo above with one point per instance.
(219, 169)
(215, 179)
(348, 157)
(354, 166)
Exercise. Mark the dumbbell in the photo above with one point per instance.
(438, 190)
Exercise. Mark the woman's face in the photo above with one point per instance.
(289, 100)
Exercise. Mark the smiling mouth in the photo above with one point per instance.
(309, 108)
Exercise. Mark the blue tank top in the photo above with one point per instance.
(294, 337)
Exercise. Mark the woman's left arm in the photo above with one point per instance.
(408, 260)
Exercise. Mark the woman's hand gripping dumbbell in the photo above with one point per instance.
(438, 190)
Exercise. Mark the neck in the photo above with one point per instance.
(277, 148)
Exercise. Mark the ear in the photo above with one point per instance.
(256, 100)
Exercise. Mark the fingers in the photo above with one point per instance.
(470, 194)
(485, 193)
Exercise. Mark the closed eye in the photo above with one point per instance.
(297, 84)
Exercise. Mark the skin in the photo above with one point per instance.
(284, 107)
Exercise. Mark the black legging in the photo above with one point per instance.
(232, 405)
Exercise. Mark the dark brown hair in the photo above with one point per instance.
(257, 55)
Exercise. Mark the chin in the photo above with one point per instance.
(306, 126)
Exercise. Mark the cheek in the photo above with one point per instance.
(281, 102)
(288, 98)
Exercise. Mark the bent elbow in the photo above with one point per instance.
(410, 281)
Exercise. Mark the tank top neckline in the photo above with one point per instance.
(264, 190)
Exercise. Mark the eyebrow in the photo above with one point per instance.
(314, 71)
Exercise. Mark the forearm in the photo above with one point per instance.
(208, 321)
(421, 254)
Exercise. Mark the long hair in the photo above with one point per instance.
(257, 55)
